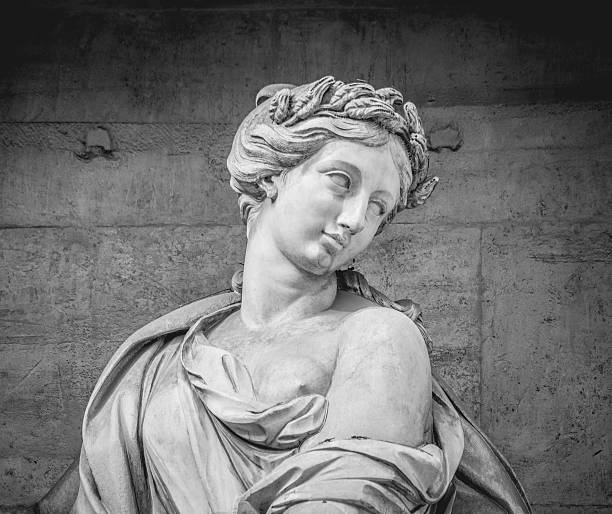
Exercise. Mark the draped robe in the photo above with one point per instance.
(174, 425)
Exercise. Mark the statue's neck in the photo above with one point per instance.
(275, 290)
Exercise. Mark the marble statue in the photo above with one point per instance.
(303, 389)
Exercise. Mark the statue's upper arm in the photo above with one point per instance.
(381, 388)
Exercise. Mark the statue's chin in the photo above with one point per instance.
(316, 258)
(328, 263)
(317, 261)
(325, 261)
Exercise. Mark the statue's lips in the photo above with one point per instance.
(337, 242)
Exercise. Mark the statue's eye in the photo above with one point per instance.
(378, 208)
(340, 179)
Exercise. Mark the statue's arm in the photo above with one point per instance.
(63, 494)
(381, 388)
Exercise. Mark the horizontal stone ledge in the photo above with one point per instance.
(405, 224)
(572, 505)
(96, 226)
(170, 138)
(567, 125)
(561, 508)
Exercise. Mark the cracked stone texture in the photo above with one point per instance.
(546, 312)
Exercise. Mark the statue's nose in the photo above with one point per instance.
(353, 215)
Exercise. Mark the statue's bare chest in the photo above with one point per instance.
(287, 363)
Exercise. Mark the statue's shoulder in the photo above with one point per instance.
(354, 282)
(180, 319)
(381, 329)
(183, 317)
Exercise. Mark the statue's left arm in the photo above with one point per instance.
(381, 388)
(374, 451)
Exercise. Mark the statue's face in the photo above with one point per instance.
(329, 208)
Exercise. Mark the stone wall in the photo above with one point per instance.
(115, 207)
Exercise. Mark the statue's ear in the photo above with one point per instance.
(269, 90)
(268, 185)
(422, 193)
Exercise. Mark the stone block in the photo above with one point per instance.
(459, 368)
(106, 281)
(438, 268)
(158, 175)
(581, 126)
(45, 389)
(24, 480)
(521, 163)
(546, 355)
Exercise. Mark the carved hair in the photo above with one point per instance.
(291, 123)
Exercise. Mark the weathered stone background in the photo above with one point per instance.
(510, 259)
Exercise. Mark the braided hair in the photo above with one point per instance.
(291, 123)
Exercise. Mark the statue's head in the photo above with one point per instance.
(290, 124)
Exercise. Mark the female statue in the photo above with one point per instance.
(303, 389)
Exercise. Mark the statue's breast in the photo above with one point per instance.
(286, 365)
(284, 377)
